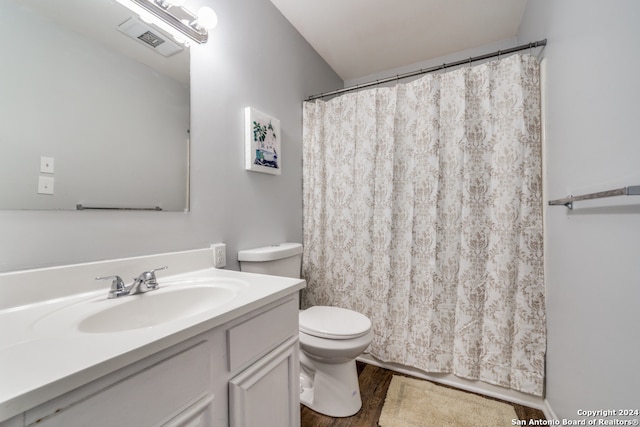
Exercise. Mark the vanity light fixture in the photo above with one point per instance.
(172, 13)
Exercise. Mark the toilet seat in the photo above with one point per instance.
(333, 323)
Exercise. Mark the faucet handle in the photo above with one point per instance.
(157, 269)
(118, 287)
(149, 277)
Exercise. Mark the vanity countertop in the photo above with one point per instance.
(41, 358)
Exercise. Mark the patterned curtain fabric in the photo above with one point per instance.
(423, 211)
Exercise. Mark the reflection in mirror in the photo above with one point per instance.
(89, 113)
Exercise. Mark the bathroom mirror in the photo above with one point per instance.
(90, 114)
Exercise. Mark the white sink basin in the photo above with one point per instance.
(172, 302)
(153, 308)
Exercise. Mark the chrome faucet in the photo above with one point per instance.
(145, 282)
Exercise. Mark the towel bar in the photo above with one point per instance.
(80, 207)
(632, 190)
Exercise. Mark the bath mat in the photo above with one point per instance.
(411, 403)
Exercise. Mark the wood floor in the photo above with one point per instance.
(374, 382)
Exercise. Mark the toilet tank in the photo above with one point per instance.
(284, 259)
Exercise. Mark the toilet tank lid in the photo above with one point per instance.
(270, 253)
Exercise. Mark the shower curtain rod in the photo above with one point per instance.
(539, 43)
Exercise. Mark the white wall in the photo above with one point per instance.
(592, 254)
(254, 58)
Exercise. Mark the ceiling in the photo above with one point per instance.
(358, 38)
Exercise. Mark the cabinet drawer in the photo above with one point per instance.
(255, 337)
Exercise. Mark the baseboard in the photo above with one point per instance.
(549, 413)
(472, 386)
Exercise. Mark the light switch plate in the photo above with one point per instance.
(46, 165)
(45, 185)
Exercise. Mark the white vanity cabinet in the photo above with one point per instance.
(243, 372)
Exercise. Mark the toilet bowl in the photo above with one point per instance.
(330, 338)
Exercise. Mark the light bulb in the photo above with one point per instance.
(207, 18)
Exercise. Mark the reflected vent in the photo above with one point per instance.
(151, 37)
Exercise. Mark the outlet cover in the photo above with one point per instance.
(219, 255)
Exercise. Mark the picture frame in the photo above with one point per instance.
(262, 142)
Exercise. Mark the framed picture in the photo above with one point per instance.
(262, 142)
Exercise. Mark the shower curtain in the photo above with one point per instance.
(423, 211)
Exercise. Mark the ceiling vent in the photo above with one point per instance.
(150, 36)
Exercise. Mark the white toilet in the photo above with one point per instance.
(330, 338)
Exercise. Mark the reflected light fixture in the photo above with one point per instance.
(172, 13)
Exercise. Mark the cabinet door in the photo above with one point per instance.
(267, 394)
(175, 389)
(200, 414)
